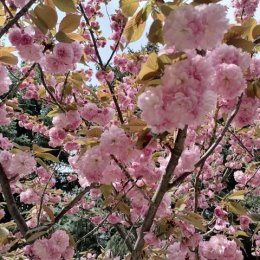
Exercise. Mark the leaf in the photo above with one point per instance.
(4, 234)
(46, 15)
(93, 132)
(195, 219)
(237, 195)
(67, 6)
(135, 26)
(41, 26)
(7, 58)
(49, 3)
(248, 26)
(76, 37)
(54, 112)
(144, 139)
(236, 208)
(35, 236)
(155, 34)
(2, 20)
(129, 7)
(62, 37)
(256, 31)
(106, 190)
(123, 208)
(37, 149)
(69, 23)
(49, 213)
(42, 163)
(167, 8)
(48, 156)
(149, 69)
(135, 125)
(245, 45)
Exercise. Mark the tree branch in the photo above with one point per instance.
(11, 204)
(16, 18)
(159, 194)
(212, 147)
(73, 202)
(47, 89)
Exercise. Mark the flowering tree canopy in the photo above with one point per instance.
(164, 148)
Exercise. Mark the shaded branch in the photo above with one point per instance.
(73, 202)
(11, 204)
(47, 89)
(211, 148)
(159, 194)
(21, 13)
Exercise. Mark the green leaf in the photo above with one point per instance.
(8, 58)
(70, 23)
(245, 45)
(150, 68)
(67, 6)
(48, 156)
(62, 37)
(135, 125)
(129, 7)
(46, 15)
(195, 219)
(236, 208)
(135, 26)
(256, 31)
(155, 34)
(237, 195)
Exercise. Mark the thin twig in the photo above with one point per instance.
(47, 89)
(21, 13)
(9, 12)
(42, 198)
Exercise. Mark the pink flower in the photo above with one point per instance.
(20, 3)
(200, 27)
(30, 196)
(23, 164)
(229, 81)
(244, 222)
(219, 247)
(15, 36)
(57, 136)
(60, 241)
(230, 55)
(64, 52)
(247, 112)
(31, 52)
(70, 120)
(113, 219)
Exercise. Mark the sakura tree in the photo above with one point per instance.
(165, 149)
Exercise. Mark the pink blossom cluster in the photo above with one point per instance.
(219, 247)
(93, 166)
(257, 244)
(127, 65)
(200, 27)
(20, 3)
(20, 164)
(5, 81)
(63, 58)
(245, 8)
(101, 116)
(56, 248)
(184, 98)
(23, 40)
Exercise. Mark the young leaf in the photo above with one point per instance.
(69, 23)
(129, 7)
(67, 6)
